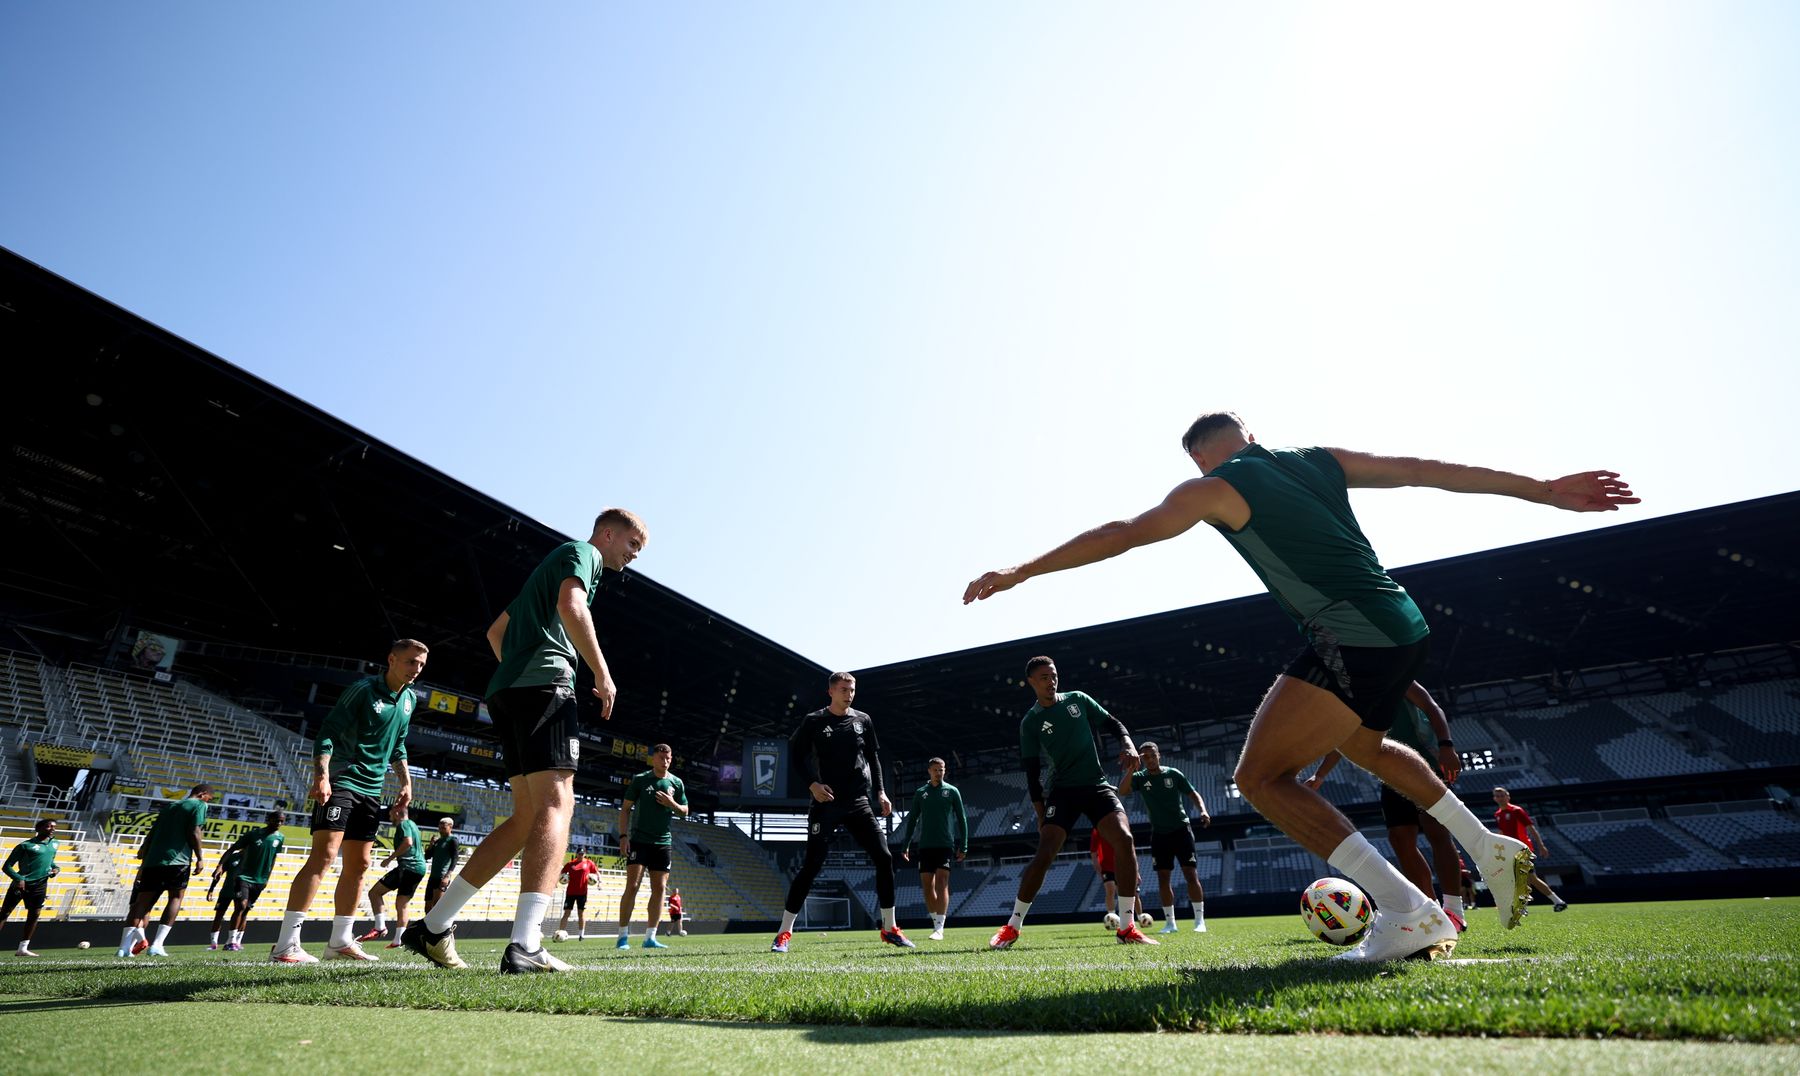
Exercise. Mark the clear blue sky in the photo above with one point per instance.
(853, 302)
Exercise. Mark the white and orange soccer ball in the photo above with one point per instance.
(1335, 911)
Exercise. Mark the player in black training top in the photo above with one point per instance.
(838, 749)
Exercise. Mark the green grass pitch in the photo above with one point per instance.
(1700, 986)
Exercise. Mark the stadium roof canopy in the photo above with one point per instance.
(149, 483)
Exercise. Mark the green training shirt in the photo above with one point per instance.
(1165, 795)
(444, 851)
(31, 860)
(650, 819)
(1065, 735)
(942, 821)
(1305, 544)
(167, 844)
(536, 649)
(413, 859)
(364, 732)
(256, 855)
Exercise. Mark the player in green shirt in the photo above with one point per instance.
(246, 866)
(364, 733)
(30, 865)
(1422, 727)
(652, 799)
(942, 831)
(404, 879)
(1166, 792)
(170, 855)
(539, 640)
(1062, 728)
(1288, 513)
(442, 853)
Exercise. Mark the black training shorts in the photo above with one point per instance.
(575, 900)
(402, 881)
(933, 859)
(651, 857)
(354, 814)
(30, 894)
(1370, 680)
(1171, 848)
(171, 879)
(1397, 810)
(538, 727)
(1064, 805)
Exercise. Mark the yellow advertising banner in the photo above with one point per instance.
(437, 806)
(49, 754)
(138, 823)
(443, 702)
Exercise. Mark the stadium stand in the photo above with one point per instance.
(1629, 841)
(1273, 865)
(1749, 833)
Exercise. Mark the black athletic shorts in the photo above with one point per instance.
(236, 889)
(651, 857)
(30, 894)
(1175, 846)
(356, 815)
(1397, 810)
(538, 728)
(434, 887)
(575, 900)
(172, 879)
(1108, 876)
(933, 859)
(1371, 680)
(402, 881)
(1064, 805)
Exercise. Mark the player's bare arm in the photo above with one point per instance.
(1326, 765)
(1194, 501)
(403, 799)
(1586, 491)
(1200, 810)
(625, 810)
(1448, 760)
(497, 632)
(321, 782)
(572, 607)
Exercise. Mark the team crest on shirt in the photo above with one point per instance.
(856, 727)
(379, 706)
(1074, 709)
(1168, 782)
(406, 705)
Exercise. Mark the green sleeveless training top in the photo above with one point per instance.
(1304, 541)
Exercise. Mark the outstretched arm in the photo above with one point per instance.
(1448, 760)
(1587, 491)
(1187, 504)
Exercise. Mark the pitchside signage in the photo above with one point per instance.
(765, 769)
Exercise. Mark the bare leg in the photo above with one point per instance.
(1443, 854)
(312, 872)
(547, 841)
(1165, 889)
(1196, 891)
(658, 880)
(357, 855)
(1296, 724)
(634, 875)
(1115, 829)
(1405, 840)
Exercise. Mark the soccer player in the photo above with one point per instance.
(443, 852)
(651, 800)
(1101, 855)
(1167, 792)
(363, 734)
(539, 640)
(942, 832)
(1062, 727)
(1420, 725)
(1516, 823)
(403, 881)
(246, 866)
(578, 871)
(839, 749)
(169, 856)
(1288, 513)
(675, 923)
(30, 865)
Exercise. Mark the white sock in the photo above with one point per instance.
(1169, 912)
(290, 930)
(237, 937)
(937, 921)
(342, 931)
(787, 921)
(162, 932)
(1199, 913)
(888, 921)
(528, 921)
(215, 938)
(443, 913)
(1362, 864)
(125, 938)
(1127, 910)
(1020, 907)
(24, 946)
(1462, 824)
(381, 921)
(624, 930)
(650, 933)
(1453, 904)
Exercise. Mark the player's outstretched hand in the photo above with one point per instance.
(608, 693)
(1590, 491)
(990, 584)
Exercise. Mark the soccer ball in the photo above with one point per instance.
(561, 935)
(1335, 911)
(1111, 920)
(81, 945)
(1144, 919)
